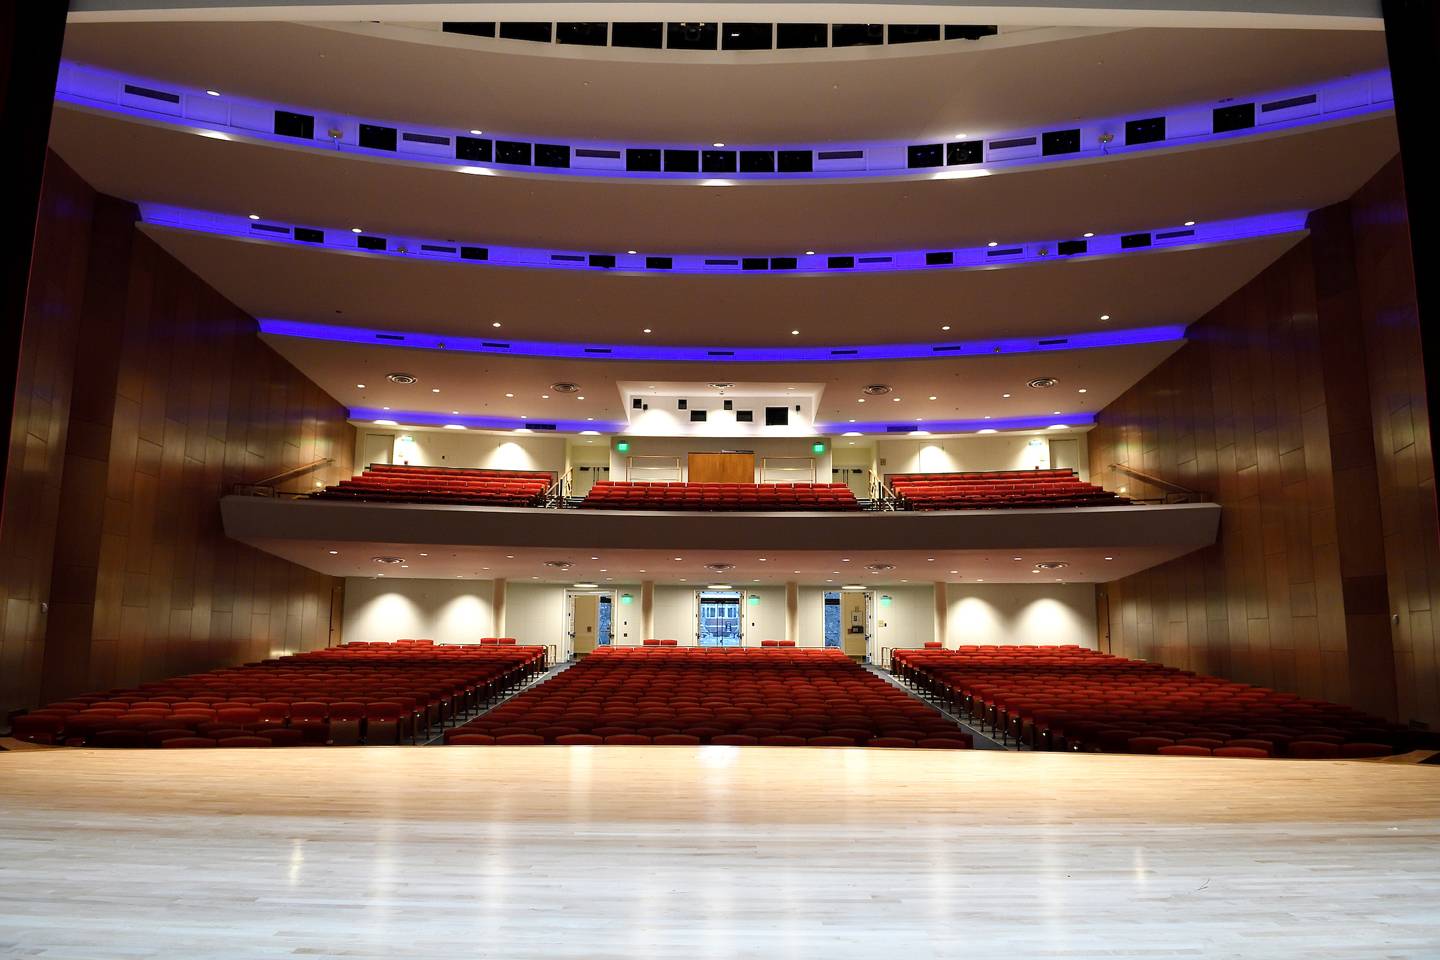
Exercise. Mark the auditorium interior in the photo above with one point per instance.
(720, 479)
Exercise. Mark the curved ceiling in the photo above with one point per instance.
(970, 388)
(1155, 288)
(1283, 171)
(930, 91)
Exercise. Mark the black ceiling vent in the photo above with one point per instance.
(969, 31)
(583, 34)
(534, 31)
(471, 28)
(298, 125)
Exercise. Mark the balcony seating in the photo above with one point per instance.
(641, 495)
(1006, 489)
(734, 696)
(1069, 698)
(388, 483)
(357, 693)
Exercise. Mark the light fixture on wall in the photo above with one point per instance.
(584, 586)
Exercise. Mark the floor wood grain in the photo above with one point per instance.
(640, 852)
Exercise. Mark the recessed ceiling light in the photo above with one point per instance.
(859, 399)
(1082, 390)
(1055, 413)
(495, 324)
(434, 389)
(630, 251)
(1189, 223)
(1058, 426)
(679, 558)
(934, 398)
(424, 554)
(647, 330)
(213, 93)
(993, 243)
(579, 398)
(794, 333)
(454, 413)
(334, 553)
(844, 559)
(384, 408)
(852, 419)
(946, 327)
(477, 132)
(254, 216)
(360, 386)
(1088, 235)
(454, 426)
(895, 399)
(1017, 558)
(1104, 316)
(1005, 395)
(509, 394)
(986, 430)
(544, 396)
(385, 423)
(954, 571)
(356, 230)
(977, 580)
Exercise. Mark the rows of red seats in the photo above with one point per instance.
(355, 693)
(641, 495)
(731, 696)
(999, 490)
(405, 484)
(1069, 698)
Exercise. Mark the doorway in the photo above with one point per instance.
(717, 618)
(589, 617)
(846, 620)
(377, 448)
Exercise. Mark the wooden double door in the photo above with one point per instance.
(721, 468)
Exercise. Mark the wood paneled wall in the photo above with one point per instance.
(174, 399)
(1270, 410)
(39, 428)
(1401, 429)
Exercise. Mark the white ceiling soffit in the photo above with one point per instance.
(1147, 289)
(1303, 14)
(910, 92)
(621, 568)
(965, 389)
(1303, 169)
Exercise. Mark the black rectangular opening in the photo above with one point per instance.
(309, 235)
(690, 35)
(755, 263)
(782, 263)
(552, 155)
(729, 404)
(642, 159)
(682, 404)
(840, 263)
(1239, 116)
(1056, 142)
(757, 161)
(512, 151)
(925, 155)
(1132, 240)
(796, 36)
(534, 31)
(969, 31)
(658, 263)
(777, 416)
(717, 161)
(474, 149)
(636, 403)
(939, 258)
(472, 28)
(913, 32)
(370, 243)
(298, 125)
(376, 137)
(588, 34)
(649, 36)
(474, 253)
(1148, 130)
(1068, 248)
(698, 416)
(603, 260)
(965, 151)
(431, 138)
(744, 416)
(682, 161)
(794, 161)
(747, 36)
(857, 34)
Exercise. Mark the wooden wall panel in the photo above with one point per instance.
(1300, 405)
(36, 455)
(1401, 432)
(167, 397)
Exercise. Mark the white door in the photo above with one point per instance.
(377, 448)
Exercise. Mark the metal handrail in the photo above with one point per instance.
(804, 461)
(630, 468)
(557, 491)
(881, 493)
(259, 487)
(1169, 486)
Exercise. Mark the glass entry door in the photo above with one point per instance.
(718, 622)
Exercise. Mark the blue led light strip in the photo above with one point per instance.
(976, 153)
(808, 262)
(498, 346)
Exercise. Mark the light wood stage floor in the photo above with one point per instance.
(636, 852)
